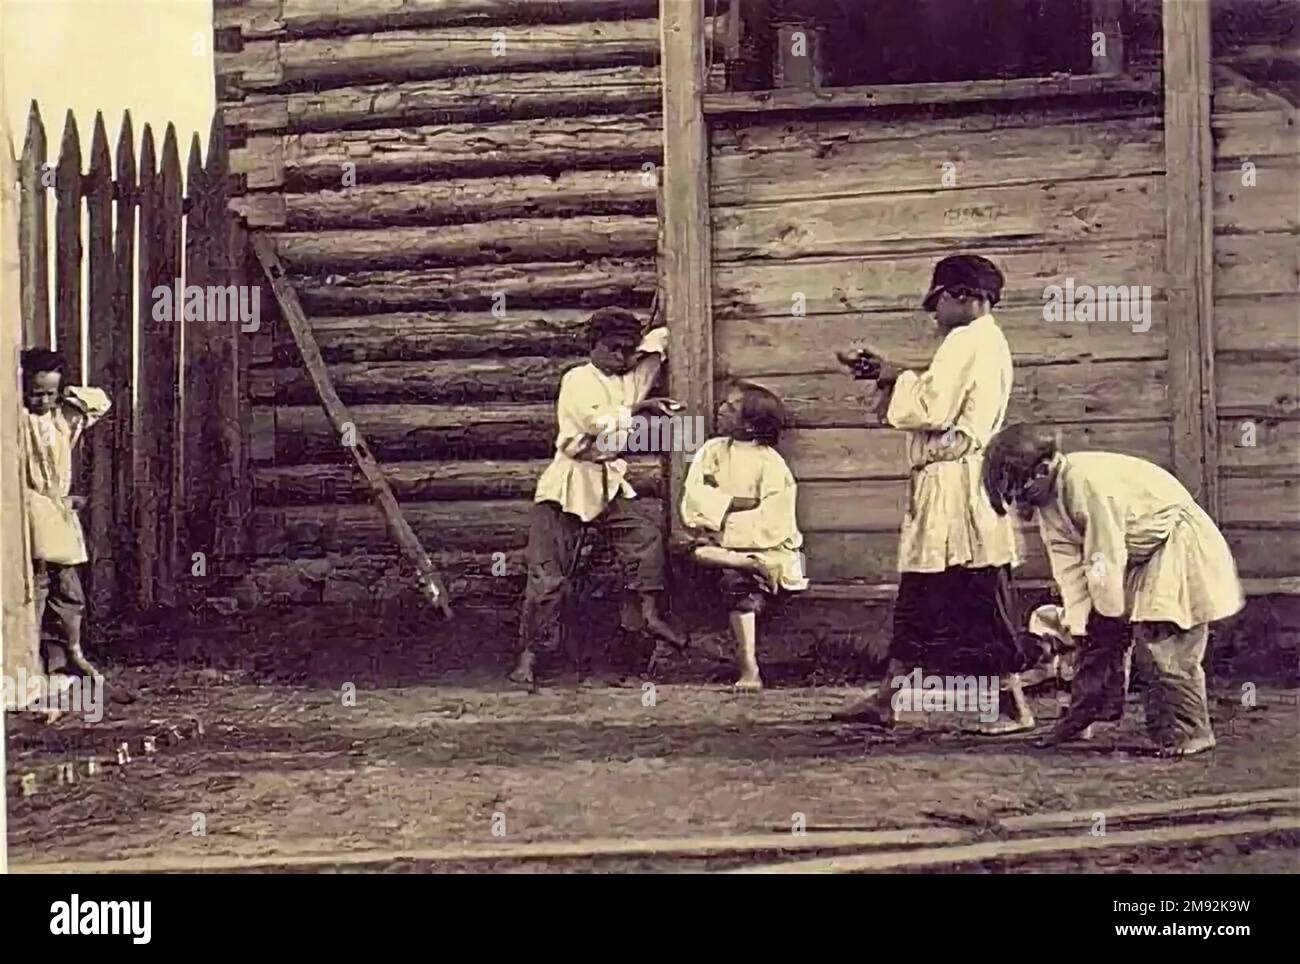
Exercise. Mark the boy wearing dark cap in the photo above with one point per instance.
(955, 610)
(586, 484)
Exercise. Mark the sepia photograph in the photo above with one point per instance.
(651, 437)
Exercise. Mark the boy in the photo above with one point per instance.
(56, 419)
(955, 609)
(586, 484)
(1142, 571)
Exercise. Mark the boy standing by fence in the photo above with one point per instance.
(56, 418)
(586, 485)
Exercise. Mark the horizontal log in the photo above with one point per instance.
(519, 239)
(552, 145)
(1234, 93)
(1256, 264)
(315, 17)
(790, 162)
(1263, 324)
(880, 453)
(590, 284)
(416, 336)
(1269, 502)
(453, 380)
(1249, 135)
(605, 90)
(1269, 200)
(427, 481)
(426, 53)
(1087, 391)
(1050, 212)
(872, 557)
(834, 285)
(487, 199)
(1257, 388)
(1259, 446)
(756, 346)
(1264, 553)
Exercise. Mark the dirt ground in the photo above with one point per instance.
(438, 750)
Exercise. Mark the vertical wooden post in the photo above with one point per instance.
(198, 418)
(168, 356)
(33, 235)
(97, 446)
(122, 382)
(1189, 252)
(67, 239)
(687, 246)
(147, 408)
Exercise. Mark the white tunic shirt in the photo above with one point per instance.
(1126, 539)
(949, 412)
(594, 414)
(747, 470)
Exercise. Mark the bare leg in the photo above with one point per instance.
(878, 708)
(744, 627)
(655, 624)
(715, 557)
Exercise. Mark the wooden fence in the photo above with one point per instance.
(162, 472)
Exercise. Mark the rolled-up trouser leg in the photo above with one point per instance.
(1177, 708)
(635, 529)
(553, 537)
(1100, 677)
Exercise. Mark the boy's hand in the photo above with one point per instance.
(658, 406)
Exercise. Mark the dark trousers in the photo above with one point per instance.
(555, 540)
(961, 620)
(60, 606)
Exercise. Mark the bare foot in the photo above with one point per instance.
(1187, 747)
(1006, 727)
(747, 684)
(523, 671)
(661, 630)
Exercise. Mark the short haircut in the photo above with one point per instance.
(605, 322)
(38, 360)
(966, 291)
(762, 414)
(1009, 458)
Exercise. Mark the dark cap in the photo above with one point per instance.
(964, 271)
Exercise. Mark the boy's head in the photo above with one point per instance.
(750, 413)
(1020, 469)
(963, 287)
(613, 334)
(42, 379)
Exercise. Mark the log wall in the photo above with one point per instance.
(454, 185)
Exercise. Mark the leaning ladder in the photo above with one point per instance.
(430, 582)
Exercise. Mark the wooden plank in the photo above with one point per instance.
(603, 281)
(1024, 850)
(1088, 391)
(19, 642)
(166, 348)
(603, 90)
(835, 285)
(67, 269)
(1252, 134)
(1258, 446)
(341, 420)
(424, 335)
(1256, 264)
(507, 240)
(149, 404)
(430, 480)
(872, 557)
(895, 95)
(685, 253)
(1189, 257)
(759, 346)
(102, 333)
(1119, 812)
(1267, 198)
(550, 144)
(880, 453)
(33, 234)
(457, 201)
(1265, 325)
(798, 161)
(455, 380)
(401, 432)
(1249, 387)
(1051, 212)
(1265, 503)
(122, 381)
(1265, 553)
(316, 17)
